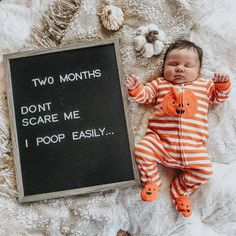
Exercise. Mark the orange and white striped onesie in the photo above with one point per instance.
(177, 131)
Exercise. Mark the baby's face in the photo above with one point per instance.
(181, 66)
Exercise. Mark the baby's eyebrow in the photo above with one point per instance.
(173, 61)
(170, 59)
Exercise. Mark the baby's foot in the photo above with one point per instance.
(149, 192)
(183, 205)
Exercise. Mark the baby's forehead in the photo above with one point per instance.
(188, 53)
(189, 50)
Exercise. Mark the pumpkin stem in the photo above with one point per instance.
(109, 12)
(152, 36)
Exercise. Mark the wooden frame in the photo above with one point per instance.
(14, 135)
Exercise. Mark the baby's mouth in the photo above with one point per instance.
(179, 77)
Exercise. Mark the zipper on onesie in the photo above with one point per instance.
(181, 88)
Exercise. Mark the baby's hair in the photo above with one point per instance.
(182, 44)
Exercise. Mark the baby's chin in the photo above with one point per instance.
(177, 80)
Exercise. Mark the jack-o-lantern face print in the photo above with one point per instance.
(180, 103)
(149, 192)
(184, 205)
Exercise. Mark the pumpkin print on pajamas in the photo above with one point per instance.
(149, 192)
(184, 205)
(180, 103)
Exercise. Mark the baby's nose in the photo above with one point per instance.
(179, 68)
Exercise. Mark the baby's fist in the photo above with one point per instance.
(132, 82)
(220, 78)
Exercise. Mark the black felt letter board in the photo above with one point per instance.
(69, 125)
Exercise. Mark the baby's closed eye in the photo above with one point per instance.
(188, 65)
(173, 63)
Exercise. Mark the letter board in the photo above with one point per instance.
(69, 121)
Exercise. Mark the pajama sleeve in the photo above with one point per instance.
(218, 92)
(145, 94)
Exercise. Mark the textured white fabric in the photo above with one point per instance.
(209, 23)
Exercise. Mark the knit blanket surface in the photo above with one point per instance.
(208, 23)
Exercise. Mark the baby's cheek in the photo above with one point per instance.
(168, 73)
(194, 73)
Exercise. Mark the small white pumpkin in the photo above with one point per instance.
(149, 40)
(112, 17)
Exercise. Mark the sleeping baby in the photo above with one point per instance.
(178, 129)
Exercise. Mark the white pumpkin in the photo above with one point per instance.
(112, 17)
(149, 40)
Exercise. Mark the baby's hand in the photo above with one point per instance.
(220, 78)
(132, 82)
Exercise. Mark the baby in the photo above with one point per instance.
(178, 129)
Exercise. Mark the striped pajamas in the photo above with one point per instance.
(177, 131)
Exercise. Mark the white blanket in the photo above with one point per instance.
(210, 24)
